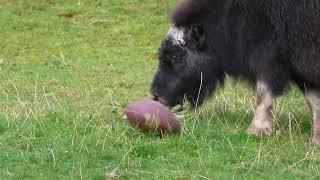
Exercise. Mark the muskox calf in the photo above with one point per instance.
(267, 42)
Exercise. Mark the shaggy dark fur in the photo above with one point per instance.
(274, 41)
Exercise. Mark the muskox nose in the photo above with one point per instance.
(155, 96)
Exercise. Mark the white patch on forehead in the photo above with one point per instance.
(176, 35)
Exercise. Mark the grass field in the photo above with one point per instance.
(68, 68)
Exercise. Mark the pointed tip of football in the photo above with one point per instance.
(150, 115)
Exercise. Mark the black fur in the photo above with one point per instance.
(274, 41)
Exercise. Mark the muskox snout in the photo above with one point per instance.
(157, 97)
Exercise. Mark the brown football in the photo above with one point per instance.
(150, 115)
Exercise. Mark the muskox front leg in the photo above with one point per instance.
(262, 124)
(313, 100)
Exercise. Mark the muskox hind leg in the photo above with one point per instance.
(262, 123)
(313, 100)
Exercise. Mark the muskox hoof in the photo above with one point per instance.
(315, 141)
(265, 130)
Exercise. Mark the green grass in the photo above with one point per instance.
(68, 68)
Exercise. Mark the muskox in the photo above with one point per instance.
(269, 43)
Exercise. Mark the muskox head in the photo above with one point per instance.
(186, 71)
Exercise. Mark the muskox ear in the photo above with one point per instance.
(196, 38)
(188, 12)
